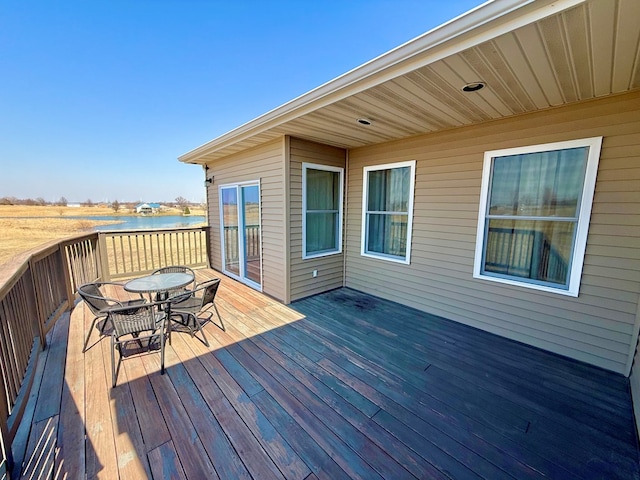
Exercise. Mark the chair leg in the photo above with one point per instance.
(198, 328)
(219, 317)
(162, 335)
(86, 342)
(113, 362)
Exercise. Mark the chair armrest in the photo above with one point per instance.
(181, 297)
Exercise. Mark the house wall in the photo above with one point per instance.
(264, 163)
(330, 268)
(599, 326)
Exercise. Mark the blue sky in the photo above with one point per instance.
(98, 98)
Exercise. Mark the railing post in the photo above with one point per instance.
(207, 244)
(105, 275)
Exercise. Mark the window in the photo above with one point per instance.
(387, 211)
(534, 214)
(321, 210)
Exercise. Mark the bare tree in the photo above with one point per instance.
(115, 205)
(41, 201)
(87, 203)
(62, 202)
(182, 202)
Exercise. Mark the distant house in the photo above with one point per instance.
(487, 171)
(147, 208)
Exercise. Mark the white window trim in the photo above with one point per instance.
(328, 168)
(223, 253)
(365, 194)
(582, 229)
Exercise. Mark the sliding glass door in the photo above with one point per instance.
(240, 235)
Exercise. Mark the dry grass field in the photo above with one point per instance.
(25, 227)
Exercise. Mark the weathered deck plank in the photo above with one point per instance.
(208, 401)
(187, 442)
(341, 385)
(71, 459)
(164, 462)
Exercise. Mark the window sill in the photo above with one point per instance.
(386, 258)
(571, 292)
(321, 254)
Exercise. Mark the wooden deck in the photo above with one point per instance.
(340, 385)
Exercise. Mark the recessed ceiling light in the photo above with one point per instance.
(364, 121)
(473, 87)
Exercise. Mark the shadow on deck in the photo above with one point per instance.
(340, 385)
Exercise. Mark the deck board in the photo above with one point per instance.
(340, 385)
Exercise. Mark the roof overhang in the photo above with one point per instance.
(531, 55)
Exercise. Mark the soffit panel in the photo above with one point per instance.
(588, 51)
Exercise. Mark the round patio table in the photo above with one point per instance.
(158, 283)
(162, 284)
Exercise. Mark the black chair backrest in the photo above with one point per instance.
(92, 295)
(128, 320)
(177, 294)
(210, 290)
(174, 269)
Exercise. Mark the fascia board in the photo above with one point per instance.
(483, 23)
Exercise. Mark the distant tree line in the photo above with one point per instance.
(116, 205)
(30, 201)
(19, 201)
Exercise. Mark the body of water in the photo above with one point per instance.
(151, 222)
(138, 222)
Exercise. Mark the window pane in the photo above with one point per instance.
(321, 232)
(538, 184)
(533, 249)
(387, 234)
(230, 223)
(388, 190)
(323, 190)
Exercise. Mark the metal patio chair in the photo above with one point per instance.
(136, 329)
(100, 305)
(185, 313)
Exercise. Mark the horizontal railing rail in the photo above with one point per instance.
(37, 287)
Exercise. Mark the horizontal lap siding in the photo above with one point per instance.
(600, 326)
(330, 268)
(264, 163)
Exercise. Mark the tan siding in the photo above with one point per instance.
(264, 163)
(600, 326)
(330, 268)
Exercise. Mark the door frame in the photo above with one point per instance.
(242, 277)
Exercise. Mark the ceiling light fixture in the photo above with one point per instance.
(473, 87)
(364, 121)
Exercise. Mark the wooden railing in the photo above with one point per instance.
(37, 287)
(135, 252)
(252, 244)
